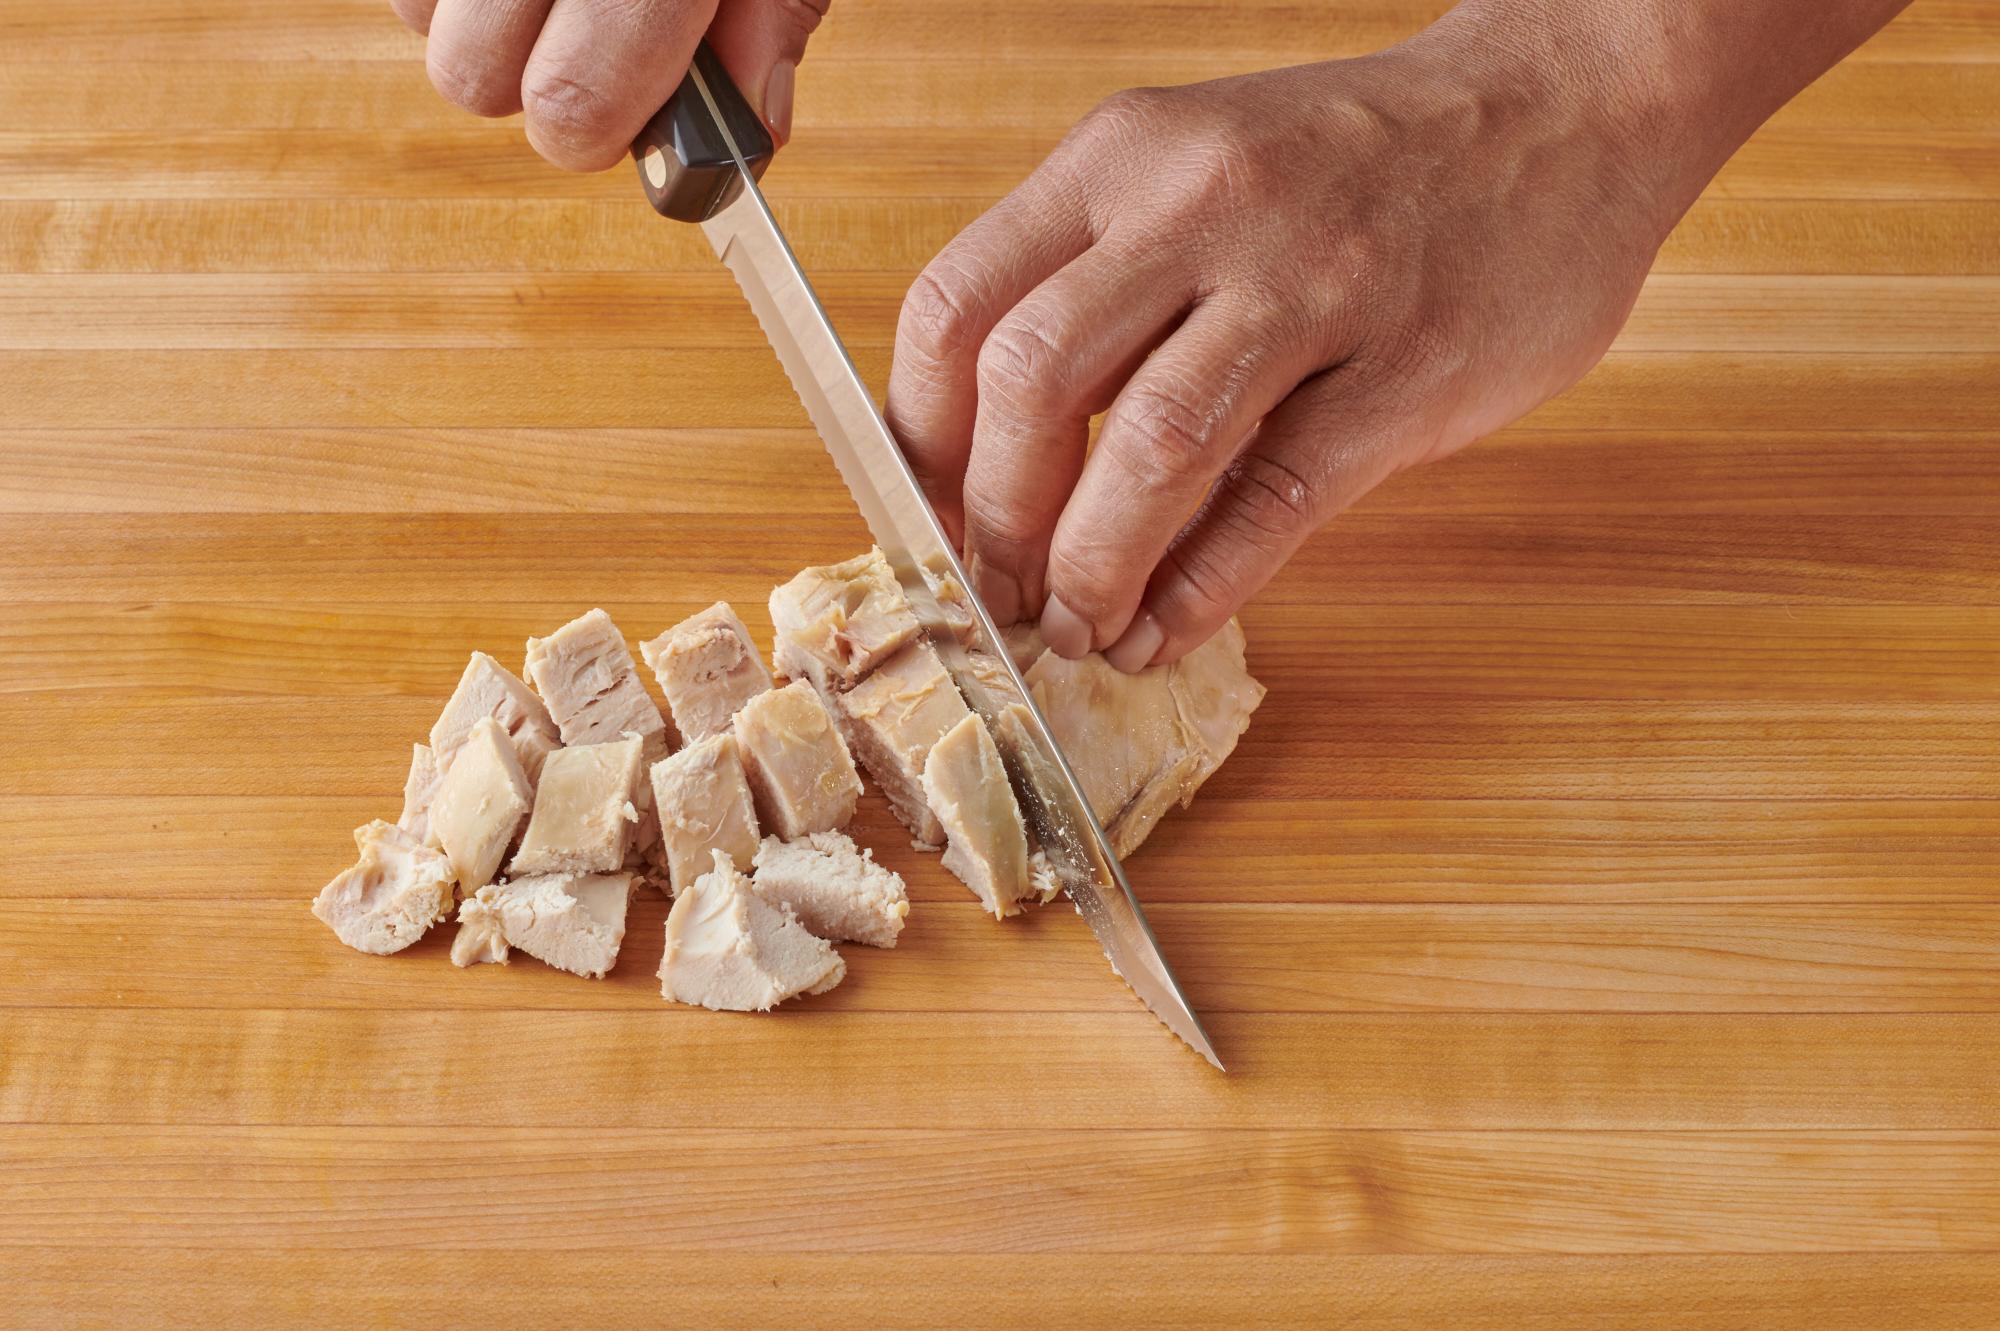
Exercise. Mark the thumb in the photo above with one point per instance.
(761, 42)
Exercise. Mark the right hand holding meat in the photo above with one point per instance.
(591, 73)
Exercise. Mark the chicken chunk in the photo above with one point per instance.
(708, 668)
(1141, 743)
(586, 675)
(729, 950)
(480, 805)
(892, 718)
(488, 688)
(704, 803)
(836, 888)
(396, 890)
(802, 778)
(584, 812)
(419, 789)
(986, 841)
(837, 622)
(574, 922)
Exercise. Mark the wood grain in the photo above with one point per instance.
(87, 1288)
(1601, 918)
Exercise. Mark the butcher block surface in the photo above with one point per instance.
(1600, 919)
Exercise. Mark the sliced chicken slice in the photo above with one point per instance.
(488, 688)
(836, 888)
(708, 668)
(704, 803)
(802, 778)
(837, 622)
(584, 811)
(729, 950)
(891, 720)
(986, 841)
(397, 889)
(574, 922)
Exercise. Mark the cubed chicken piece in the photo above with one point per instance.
(708, 668)
(480, 805)
(584, 813)
(586, 675)
(488, 688)
(893, 717)
(836, 888)
(704, 803)
(802, 778)
(1141, 743)
(396, 890)
(837, 622)
(729, 950)
(419, 789)
(986, 841)
(574, 922)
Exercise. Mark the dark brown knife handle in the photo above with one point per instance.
(684, 163)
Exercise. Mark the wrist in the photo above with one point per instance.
(1672, 87)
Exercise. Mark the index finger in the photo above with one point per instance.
(951, 309)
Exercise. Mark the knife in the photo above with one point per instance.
(700, 160)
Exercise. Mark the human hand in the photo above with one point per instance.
(591, 73)
(1281, 288)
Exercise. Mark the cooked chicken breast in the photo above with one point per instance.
(584, 811)
(396, 890)
(892, 718)
(586, 675)
(1141, 743)
(574, 922)
(488, 688)
(986, 841)
(835, 887)
(708, 668)
(419, 789)
(480, 805)
(704, 802)
(802, 778)
(837, 622)
(729, 950)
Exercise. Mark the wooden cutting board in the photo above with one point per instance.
(1599, 918)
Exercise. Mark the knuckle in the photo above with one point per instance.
(1089, 583)
(470, 85)
(1022, 366)
(1000, 524)
(936, 322)
(1201, 594)
(1157, 433)
(574, 113)
(1267, 503)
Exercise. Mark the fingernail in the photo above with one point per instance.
(997, 591)
(778, 99)
(1141, 643)
(1064, 630)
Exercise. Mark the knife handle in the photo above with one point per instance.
(684, 162)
